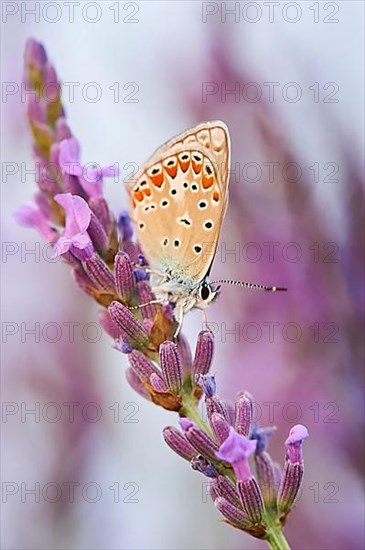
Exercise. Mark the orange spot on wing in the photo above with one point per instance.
(207, 181)
(184, 163)
(138, 195)
(147, 192)
(157, 179)
(216, 196)
(171, 170)
(197, 166)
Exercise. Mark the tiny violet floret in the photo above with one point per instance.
(236, 450)
(75, 237)
(91, 175)
(69, 157)
(261, 435)
(294, 443)
(186, 423)
(29, 216)
(207, 383)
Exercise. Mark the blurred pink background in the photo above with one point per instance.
(92, 452)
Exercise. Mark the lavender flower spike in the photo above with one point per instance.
(132, 330)
(142, 365)
(202, 465)
(99, 273)
(125, 226)
(204, 352)
(212, 401)
(208, 383)
(97, 233)
(178, 443)
(293, 471)
(236, 449)
(243, 414)
(108, 324)
(236, 516)
(219, 426)
(251, 499)
(199, 439)
(221, 486)
(267, 478)
(145, 296)
(294, 442)
(124, 278)
(171, 366)
(185, 354)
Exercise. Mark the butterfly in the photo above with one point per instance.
(178, 201)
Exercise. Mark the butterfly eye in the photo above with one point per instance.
(204, 292)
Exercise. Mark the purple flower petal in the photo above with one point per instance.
(125, 226)
(236, 450)
(69, 158)
(93, 188)
(297, 434)
(294, 443)
(78, 215)
(28, 216)
(207, 383)
(109, 171)
(35, 52)
(186, 423)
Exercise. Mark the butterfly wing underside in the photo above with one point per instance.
(179, 198)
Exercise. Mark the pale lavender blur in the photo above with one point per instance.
(167, 56)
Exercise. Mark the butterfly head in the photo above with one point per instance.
(206, 294)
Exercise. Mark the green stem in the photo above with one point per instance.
(191, 410)
(275, 537)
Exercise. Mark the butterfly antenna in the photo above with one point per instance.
(251, 286)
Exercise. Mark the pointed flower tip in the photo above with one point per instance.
(204, 352)
(158, 383)
(123, 347)
(124, 277)
(125, 226)
(131, 328)
(236, 450)
(243, 414)
(28, 216)
(186, 423)
(297, 434)
(91, 175)
(202, 465)
(35, 51)
(232, 513)
(62, 130)
(171, 365)
(261, 435)
(207, 383)
(178, 443)
(69, 158)
(294, 443)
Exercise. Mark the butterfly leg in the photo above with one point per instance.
(204, 320)
(146, 304)
(179, 315)
(148, 270)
